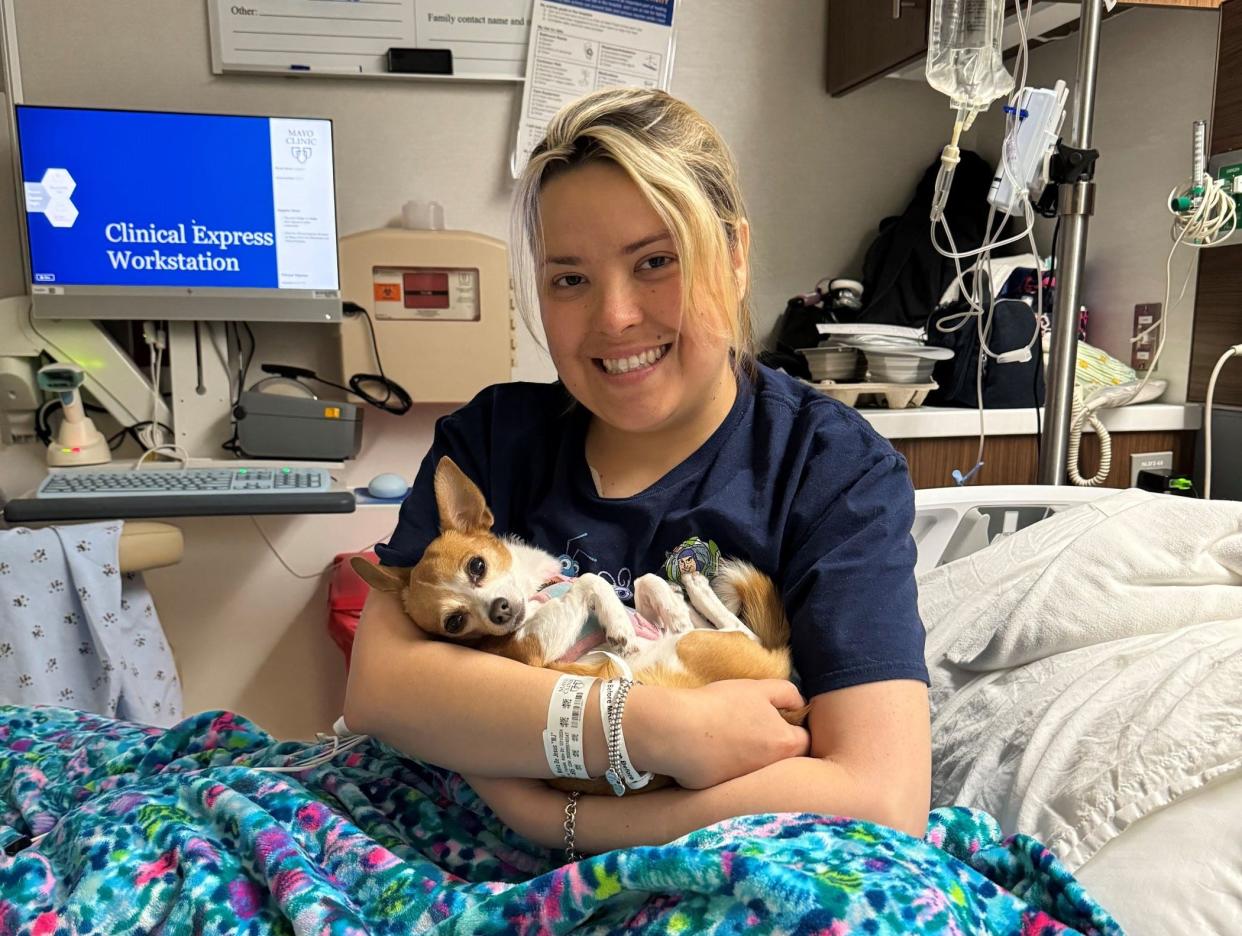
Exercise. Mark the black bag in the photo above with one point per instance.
(903, 275)
(796, 330)
(1013, 385)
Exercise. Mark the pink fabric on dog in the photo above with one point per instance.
(590, 636)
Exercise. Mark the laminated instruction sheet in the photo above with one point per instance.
(579, 46)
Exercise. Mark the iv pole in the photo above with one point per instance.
(1075, 204)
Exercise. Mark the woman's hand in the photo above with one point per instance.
(705, 736)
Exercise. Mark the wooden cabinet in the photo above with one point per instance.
(867, 39)
(1227, 116)
(1012, 459)
(1218, 296)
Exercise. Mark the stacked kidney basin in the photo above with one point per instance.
(881, 364)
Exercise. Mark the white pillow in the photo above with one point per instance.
(1063, 716)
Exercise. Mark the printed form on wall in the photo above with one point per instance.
(488, 38)
(579, 46)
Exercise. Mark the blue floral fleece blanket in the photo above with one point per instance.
(172, 831)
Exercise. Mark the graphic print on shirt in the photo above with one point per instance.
(621, 583)
(569, 560)
(694, 555)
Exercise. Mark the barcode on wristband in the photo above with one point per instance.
(562, 739)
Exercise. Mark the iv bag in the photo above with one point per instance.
(964, 52)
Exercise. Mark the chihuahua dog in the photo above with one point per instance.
(483, 590)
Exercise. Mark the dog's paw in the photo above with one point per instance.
(660, 604)
(697, 588)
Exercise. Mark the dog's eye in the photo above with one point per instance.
(455, 623)
(476, 567)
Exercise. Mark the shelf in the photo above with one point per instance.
(931, 422)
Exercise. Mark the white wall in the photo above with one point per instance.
(1156, 76)
(820, 174)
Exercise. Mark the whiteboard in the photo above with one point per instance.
(351, 38)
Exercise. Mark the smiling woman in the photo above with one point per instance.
(630, 242)
(613, 313)
(688, 183)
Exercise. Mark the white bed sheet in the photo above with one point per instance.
(1040, 606)
(1178, 870)
(1087, 671)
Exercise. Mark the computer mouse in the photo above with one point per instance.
(387, 486)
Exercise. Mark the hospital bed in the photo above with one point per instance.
(1176, 869)
(951, 523)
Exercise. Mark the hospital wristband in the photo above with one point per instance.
(562, 738)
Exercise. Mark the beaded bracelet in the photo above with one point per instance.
(621, 772)
(616, 709)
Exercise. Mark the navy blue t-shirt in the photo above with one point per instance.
(792, 481)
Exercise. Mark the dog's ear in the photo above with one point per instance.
(381, 578)
(461, 504)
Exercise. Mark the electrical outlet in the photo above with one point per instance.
(1149, 461)
(1141, 352)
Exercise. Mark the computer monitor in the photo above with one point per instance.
(148, 215)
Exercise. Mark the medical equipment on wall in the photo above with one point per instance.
(77, 440)
(1227, 168)
(1205, 215)
(1205, 212)
(439, 304)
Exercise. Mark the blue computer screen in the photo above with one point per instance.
(141, 199)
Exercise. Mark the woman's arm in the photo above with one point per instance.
(870, 759)
(484, 715)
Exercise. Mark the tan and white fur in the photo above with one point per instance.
(477, 588)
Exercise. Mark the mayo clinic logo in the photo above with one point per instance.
(302, 142)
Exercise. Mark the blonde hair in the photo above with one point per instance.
(684, 170)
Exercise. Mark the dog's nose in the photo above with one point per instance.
(501, 612)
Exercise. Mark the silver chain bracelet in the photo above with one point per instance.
(571, 820)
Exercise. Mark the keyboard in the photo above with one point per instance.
(78, 494)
